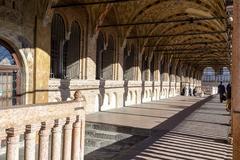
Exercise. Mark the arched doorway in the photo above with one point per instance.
(9, 76)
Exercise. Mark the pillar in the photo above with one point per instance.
(191, 78)
(41, 61)
(156, 68)
(91, 57)
(236, 80)
(139, 67)
(119, 64)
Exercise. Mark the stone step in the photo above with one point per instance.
(90, 133)
(97, 142)
(110, 151)
(118, 129)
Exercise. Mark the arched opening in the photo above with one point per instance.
(100, 50)
(10, 75)
(152, 69)
(161, 70)
(107, 60)
(129, 63)
(57, 47)
(209, 75)
(72, 57)
(145, 68)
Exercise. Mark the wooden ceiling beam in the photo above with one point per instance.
(189, 49)
(187, 44)
(177, 35)
(78, 4)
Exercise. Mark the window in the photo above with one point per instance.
(107, 59)
(129, 62)
(152, 69)
(9, 77)
(104, 58)
(72, 55)
(100, 50)
(57, 47)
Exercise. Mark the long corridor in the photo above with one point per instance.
(180, 128)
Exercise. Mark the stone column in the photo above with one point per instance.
(12, 145)
(119, 63)
(236, 80)
(91, 58)
(83, 127)
(191, 79)
(139, 67)
(156, 68)
(30, 145)
(41, 61)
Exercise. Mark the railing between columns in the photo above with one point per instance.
(51, 131)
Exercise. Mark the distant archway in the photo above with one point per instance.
(107, 60)
(129, 60)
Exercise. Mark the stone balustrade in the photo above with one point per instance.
(103, 95)
(51, 131)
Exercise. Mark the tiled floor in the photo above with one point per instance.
(180, 130)
(147, 115)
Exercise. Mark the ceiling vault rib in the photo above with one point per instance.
(90, 3)
(176, 35)
(190, 20)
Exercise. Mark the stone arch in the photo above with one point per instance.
(67, 24)
(12, 75)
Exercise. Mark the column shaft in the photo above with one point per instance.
(236, 79)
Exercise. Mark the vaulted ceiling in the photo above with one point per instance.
(197, 32)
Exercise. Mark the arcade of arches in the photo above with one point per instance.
(117, 52)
